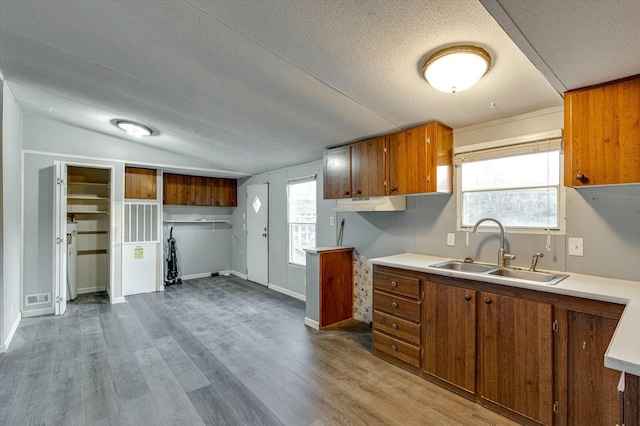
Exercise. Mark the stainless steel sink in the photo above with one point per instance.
(458, 265)
(479, 271)
(541, 277)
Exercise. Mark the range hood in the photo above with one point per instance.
(372, 204)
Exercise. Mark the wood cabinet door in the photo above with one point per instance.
(140, 183)
(336, 286)
(176, 189)
(450, 336)
(337, 173)
(368, 168)
(592, 394)
(201, 191)
(408, 165)
(602, 135)
(516, 355)
(225, 192)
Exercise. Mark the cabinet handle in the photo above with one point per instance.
(394, 304)
(358, 192)
(467, 297)
(487, 301)
(394, 347)
(394, 326)
(149, 195)
(581, 177)
(393, 189)
(347, 193)
(394, 284)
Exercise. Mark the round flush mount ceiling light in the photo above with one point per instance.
(456, 68)
(133, 128)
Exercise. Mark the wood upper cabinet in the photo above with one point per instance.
(225, 192)
(140, 183)
(337, 173)
(516, 355)
(176, 189)
(602, 134)
(369, 168)
(200, 191)
(421, 160)
(450, 343)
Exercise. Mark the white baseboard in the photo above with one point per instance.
(226, 272)
(86, 290)
(116, 300)
(311, 323)
(239, 275)
(194, 276)
(288, 292)
(38, 312)
(5, 346)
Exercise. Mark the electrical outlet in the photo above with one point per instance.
(331, 221)
(576, 247)
(451, 239)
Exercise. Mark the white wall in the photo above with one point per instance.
(281, 274)
(11, 214)
(45, 141)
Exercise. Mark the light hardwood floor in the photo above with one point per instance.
(218, 351)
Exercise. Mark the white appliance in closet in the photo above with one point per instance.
(141, 248)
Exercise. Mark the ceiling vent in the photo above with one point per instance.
(396, 203)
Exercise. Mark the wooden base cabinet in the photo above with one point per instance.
(516, 355)
(533, 356)
(450, 334)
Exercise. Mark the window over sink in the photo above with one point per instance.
(518, 184)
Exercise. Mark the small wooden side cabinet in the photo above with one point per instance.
(329, 285)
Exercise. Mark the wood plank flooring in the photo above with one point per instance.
(214, 351)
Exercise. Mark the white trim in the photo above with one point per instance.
(117, 300)
(38, 312)
(225, 272)
(169, 167)
(238, 274)
(288, 292)
(87, 290)
(194, 276)
(311, 323)
(108, 291)
(516, 140)
(7, 342)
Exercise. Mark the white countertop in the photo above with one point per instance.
(623, 353)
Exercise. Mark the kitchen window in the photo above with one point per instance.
(520, 185)
(301, 201)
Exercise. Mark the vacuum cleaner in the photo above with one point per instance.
(173, 271)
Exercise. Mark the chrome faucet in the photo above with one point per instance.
(534, 261)
(502, 254)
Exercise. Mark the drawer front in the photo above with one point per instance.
(397, 327)
(405, 286)
(409, 309)
(397, 348)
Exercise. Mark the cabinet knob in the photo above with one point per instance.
(358, 192)
(149, 195)
(347, 193)
(582, 178)
(467, 297)
(394, 284)
(394, 347)
(394, 326)
(487, 301)
(393, 189)
(394, 304)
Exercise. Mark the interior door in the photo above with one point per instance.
(258, 233)
(60, 238)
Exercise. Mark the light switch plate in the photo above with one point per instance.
(451, 239)
(576, 247)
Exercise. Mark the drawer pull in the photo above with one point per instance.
(394, 304)
(394, 326)
(487, 301)
(394, 284)
(394, 347)
(467, 297)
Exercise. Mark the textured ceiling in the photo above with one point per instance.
(256, 85)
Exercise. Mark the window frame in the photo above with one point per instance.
(294, 181)
(509, 148)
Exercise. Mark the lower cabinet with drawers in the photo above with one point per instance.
(533, 356)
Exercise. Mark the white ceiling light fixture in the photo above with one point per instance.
(456, 68)
(133, 128)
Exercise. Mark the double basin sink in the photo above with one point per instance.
(481, 270)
